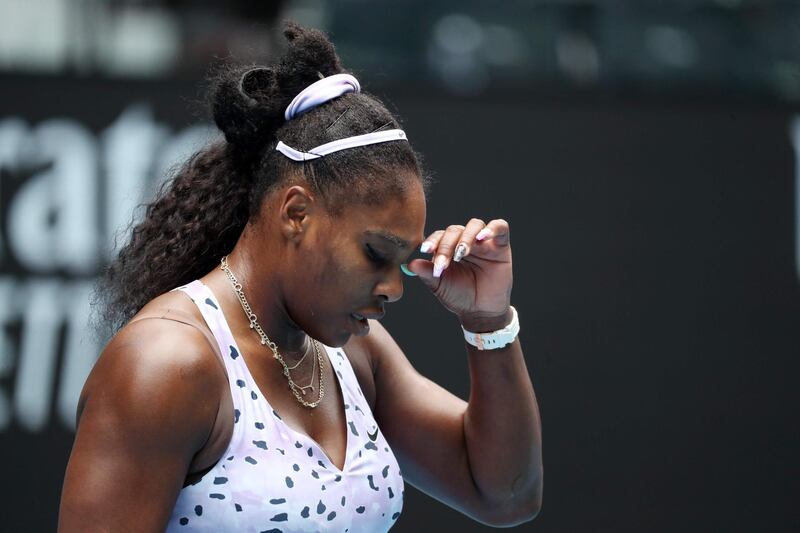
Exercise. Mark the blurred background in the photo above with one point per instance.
(644, 152)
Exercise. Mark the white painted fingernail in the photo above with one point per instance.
(426, 247)
(438, 265)
(482, 234)
(461, 251)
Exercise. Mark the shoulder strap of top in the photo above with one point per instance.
(184, 318)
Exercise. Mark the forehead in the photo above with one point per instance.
(399, 218)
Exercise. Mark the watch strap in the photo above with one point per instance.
(495, 339)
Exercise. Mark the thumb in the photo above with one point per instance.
(424, 270)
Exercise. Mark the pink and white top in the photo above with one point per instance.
(272, 478)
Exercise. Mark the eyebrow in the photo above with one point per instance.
(391, 237)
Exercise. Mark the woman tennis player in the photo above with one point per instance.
(250, 386)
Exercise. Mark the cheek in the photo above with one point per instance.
(351, 285)
(340, 281)
(338, 276)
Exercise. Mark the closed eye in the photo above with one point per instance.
(375, 257)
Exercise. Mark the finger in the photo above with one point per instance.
(497, 230)
(473, 227)
(446, 248)
(430, 244)
(423, 269)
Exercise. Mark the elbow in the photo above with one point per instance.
(518, 508)
(513, 515)
(530, 511)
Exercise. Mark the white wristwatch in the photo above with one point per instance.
(495, 339)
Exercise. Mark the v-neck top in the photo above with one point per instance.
(273, 478)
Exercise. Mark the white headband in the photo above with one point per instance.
(318, 93)
(341, 144)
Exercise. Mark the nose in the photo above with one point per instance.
(391, 287)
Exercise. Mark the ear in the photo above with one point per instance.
(297, 206)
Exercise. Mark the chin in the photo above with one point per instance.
(338, 341)
(335, 339)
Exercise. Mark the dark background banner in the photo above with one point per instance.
(655, 276)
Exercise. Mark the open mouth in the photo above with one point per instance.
(361, 324)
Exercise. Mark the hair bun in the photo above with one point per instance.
(244, 105)
(249, 102)
(258, 83)
(310, 56)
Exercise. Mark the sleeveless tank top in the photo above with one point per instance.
(272, 478)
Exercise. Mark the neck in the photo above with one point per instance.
(259, 280)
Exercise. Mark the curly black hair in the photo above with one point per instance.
(199, 214)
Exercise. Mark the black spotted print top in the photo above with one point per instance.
(272, 478)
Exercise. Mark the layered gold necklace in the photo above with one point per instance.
(298, 391)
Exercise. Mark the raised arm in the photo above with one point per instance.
(483, 457)
(147, 407)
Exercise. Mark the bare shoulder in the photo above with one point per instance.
(360, 358)
(148, 405)
(147, 353)
(373, 357)
(380, 349)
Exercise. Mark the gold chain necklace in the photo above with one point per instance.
(254, 325)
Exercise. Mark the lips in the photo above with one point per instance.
(360, 324)
(368, 316)
(361, 320)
